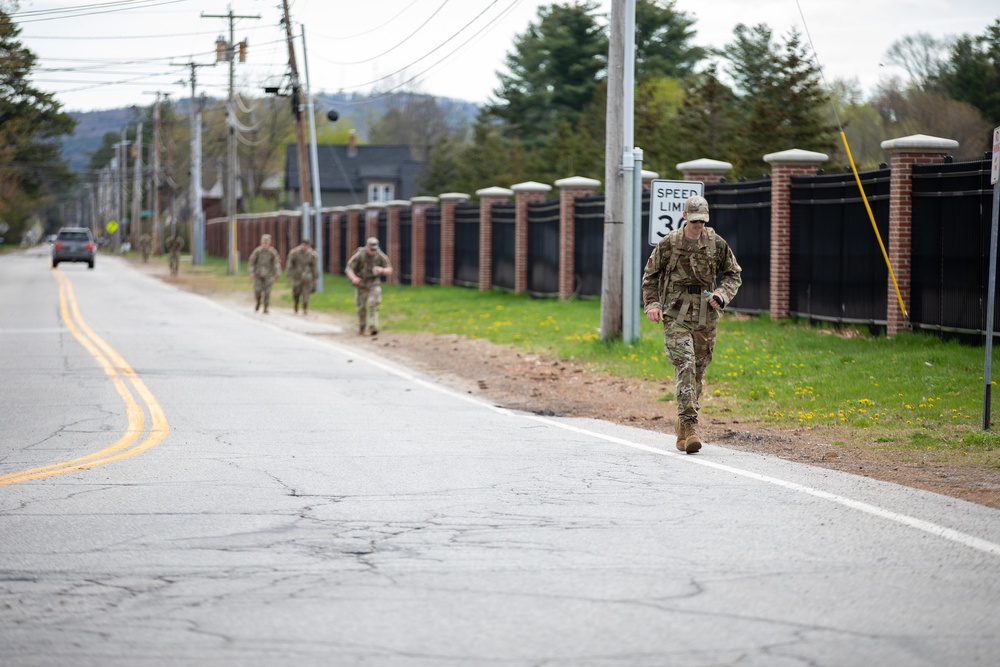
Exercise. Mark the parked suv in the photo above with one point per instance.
(74, 244)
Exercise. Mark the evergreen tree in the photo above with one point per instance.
(662, 40)
(972, 74)
(31, 122)
(707, 120)
(553, 72)
(783, 104)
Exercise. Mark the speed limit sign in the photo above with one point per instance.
(666, 205)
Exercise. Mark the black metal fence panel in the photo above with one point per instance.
(405, 246)
(383, 230)
(741, 214)
(543, 247)
(360, 226)
(503, 246)
(838, 273)
(467, 245)
(432, 249)
(344, 256)
(588, 250)
(950, 246)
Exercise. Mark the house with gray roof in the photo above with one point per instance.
(352, 174)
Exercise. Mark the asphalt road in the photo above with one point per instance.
(185, 484)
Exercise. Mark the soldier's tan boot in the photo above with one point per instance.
(296, 305)
(257, 307)
(680, 428)
(693, 442)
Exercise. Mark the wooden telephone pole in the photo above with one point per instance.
(297, 105)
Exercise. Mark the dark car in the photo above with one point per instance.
(74, 244)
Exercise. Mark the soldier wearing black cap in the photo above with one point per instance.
(365, 270)
(679, 289)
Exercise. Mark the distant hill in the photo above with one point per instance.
(360, 110)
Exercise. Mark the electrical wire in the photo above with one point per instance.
(398, 44)
(492, 23)
(46, 14)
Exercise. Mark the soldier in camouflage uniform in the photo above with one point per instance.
(302, 269)
(679, 288)
(174, 245)
(365, 269)
(264, 266)
(144, 245)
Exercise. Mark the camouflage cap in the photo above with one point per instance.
(695, 209)
(372, 243)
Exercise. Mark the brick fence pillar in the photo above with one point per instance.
(569, 190)
(394, 248)
(785, 165)
(334, 260)
(709, 172)
(903, 154)
(418, 239)
(449, 201)
(354, 212)
(372, 211)
(487, 198)
(524, 194)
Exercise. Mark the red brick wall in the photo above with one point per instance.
(521, 201)
(448, 241)
(567, 237)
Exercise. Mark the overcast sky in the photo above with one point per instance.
(99, 54)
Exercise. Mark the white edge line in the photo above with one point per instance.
(903, 519)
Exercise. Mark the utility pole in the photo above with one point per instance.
(229, 53)
(314, 164)
(194, 190)
(136, 219)
(611, 278)
(297, 105)
(155, 148)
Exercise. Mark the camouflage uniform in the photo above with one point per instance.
(368, 294)
(174, 245)
(679, 278)
(264, 266)
(302, 269)
(144, 245)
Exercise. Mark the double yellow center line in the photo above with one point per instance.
(118, 371)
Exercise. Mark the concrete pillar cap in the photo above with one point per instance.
(577, 182)
(648, 175)
(338, 209)
(395, 203)
(423, 200)
(494, 191)
(705, 165)
(529, 187)
(374, 205)
(919, 143)
(453, 196)
(355, 207)
(796, 156)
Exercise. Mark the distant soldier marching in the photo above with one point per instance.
(302, 271)
(264, 266)
(174, 246)
(365, 269)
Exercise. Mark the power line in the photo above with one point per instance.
(64, 13)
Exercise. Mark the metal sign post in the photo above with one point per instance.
(988, 367)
